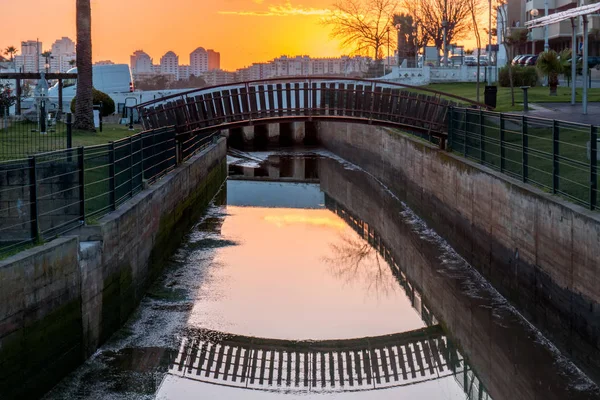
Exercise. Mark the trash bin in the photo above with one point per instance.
(490, 96)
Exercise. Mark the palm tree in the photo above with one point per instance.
(84, 111)
(548, 64)
(47, 55)
(11, 51)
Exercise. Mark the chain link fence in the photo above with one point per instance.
(559, 157)
(48, 194)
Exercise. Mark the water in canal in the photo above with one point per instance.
(307, 278)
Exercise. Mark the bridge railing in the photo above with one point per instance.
(560, 157)
(419, 110)
(49, 194)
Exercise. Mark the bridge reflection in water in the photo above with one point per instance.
(360, 364)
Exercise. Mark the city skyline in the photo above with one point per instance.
(120, 27)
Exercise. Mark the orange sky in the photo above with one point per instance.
(244, 31)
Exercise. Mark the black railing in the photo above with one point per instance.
(560, 157)
(51, 193)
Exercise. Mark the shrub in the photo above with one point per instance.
(522, 76)
(108, 104)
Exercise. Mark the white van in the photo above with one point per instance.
(114, 78)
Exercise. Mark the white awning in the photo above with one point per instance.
(563, 15)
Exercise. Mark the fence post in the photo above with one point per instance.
(502, 149)
(450, 127)
(524, 145)
(481, 135)
(35, 223)
(466, 132)
(111, 173)
(555, 162)
(81, 169)
(130, 167)
(69, 131)
(593, 166)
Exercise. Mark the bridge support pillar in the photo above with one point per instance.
(299, 168)
(248, 132)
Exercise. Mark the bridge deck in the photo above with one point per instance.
(352, 364)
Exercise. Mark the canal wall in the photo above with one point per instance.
(62, 300)
(537, 250)
(505, 351)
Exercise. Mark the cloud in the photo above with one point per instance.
(286, 10)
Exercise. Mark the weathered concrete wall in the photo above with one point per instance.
(540, 252)
(499, 344)
(60, 301)
(40, 318)
(134, 242)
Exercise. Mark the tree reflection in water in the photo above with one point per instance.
(355, 261)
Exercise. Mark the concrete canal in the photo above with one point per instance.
(307, 277)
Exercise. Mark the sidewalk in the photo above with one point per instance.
(564, 112)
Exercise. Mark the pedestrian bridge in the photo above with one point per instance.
(282, 100)
(326, 365)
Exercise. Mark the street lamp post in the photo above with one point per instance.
(546, 47)
(534, 13)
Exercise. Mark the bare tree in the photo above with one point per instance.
(354, 260)
(84, 109)
(430, 15)
(410, 40)
(362, 25)
(476, 9)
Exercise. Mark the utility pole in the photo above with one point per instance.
(546, 47)
(489, 53)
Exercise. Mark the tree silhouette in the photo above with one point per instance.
(362, 25)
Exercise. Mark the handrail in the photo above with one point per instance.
(312, 79)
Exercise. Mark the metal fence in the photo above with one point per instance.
(22, 136)
(48, 194)
(560, 157)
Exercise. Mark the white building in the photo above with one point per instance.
(30, 59)
(140, 62)
(198, 61)
(184, 72)
(63, 52)
(304, 66)
(218, 77)
(169, 64)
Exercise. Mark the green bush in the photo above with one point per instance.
(522, 76)
(108, 104)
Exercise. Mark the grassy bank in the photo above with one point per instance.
(537, 94)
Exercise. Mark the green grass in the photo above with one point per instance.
(21, 139)
(110, 132)
(537, 94)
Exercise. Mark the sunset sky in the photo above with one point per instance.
(243, 31)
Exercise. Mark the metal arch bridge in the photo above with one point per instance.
(328, 365)
(280, 100)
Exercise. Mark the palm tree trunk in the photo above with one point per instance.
(84, 109)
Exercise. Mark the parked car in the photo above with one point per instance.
(523, 60)
(531, 61)
(515, 61)
(470, 61)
